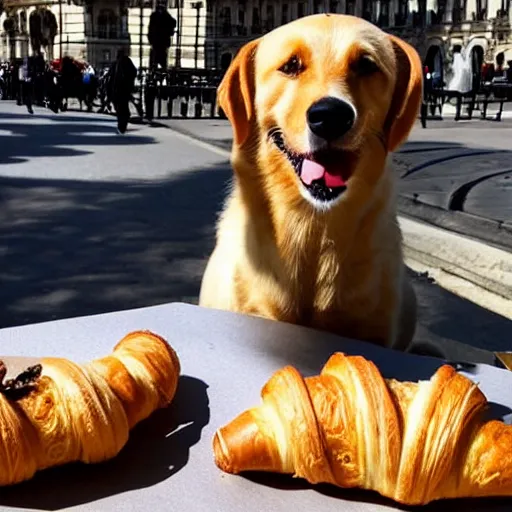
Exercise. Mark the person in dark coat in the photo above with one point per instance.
(122, 84)
(161, 29)
(26, 77)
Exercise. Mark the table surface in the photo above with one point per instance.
(226, 358)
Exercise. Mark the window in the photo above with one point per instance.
(505, 8)
(401, 15)
(256, 21)
(481, 10)
(270, 17)
(124, 22)
(441, 9)
(319, 6)
(384, 14)
(458, 12)
(240, 27)
(225, 21)
(23, 21)
(367, 10)
(285, 15)
(108, 24)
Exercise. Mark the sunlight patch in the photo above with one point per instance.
(98, 134)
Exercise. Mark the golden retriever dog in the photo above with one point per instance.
(309, 233)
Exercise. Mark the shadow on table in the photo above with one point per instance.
(158, 448)
(287, 483)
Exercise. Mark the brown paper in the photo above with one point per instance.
(16, 365)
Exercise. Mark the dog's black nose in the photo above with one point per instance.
(330, 118)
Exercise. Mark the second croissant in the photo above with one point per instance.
(411, 442)
(60, 411)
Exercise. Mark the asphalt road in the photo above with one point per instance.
(464, 166)
(91, 222)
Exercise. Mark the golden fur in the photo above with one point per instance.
(280, 255)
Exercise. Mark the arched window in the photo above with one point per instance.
(108, 25)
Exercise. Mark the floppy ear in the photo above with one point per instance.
(407, 96)
(235, 94)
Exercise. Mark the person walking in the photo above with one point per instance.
(122, 85)
(26, 73)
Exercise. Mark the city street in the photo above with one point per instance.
(91, 221)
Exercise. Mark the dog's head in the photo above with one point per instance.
(321, 101)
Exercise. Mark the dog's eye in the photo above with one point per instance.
(365, 66)
(292, 67)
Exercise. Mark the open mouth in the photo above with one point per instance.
(324, 174)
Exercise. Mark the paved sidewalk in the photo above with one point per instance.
(455, 175)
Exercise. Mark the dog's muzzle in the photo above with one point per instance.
(324, 171)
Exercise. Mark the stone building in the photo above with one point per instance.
(481, 28)
(212, 31)
(93, 30)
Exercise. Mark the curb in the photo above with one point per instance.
(483, 265)
(466, 224)
(439, 238)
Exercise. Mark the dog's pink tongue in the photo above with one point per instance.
(312, 171)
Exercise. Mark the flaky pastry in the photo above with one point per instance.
(412, 442)
(59, 411)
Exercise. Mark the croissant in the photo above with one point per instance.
(59, 411)
(411, 442)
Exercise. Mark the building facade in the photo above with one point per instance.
(211, 32)
(93, 30)
(480, 29)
